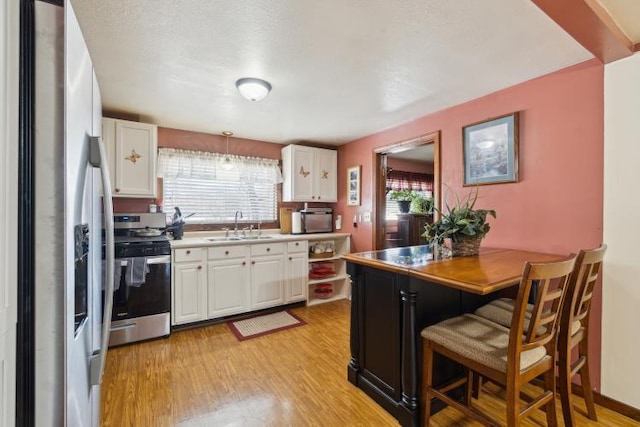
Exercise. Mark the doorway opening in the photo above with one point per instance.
(421, 147)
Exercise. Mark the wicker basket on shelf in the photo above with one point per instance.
(324, 249)
(321, 255)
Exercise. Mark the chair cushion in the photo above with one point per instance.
(479, 339)
(501, 312)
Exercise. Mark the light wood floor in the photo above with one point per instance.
(297, 377)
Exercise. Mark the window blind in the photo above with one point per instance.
(197, 183)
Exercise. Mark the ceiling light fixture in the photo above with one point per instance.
(227, 164)
(253, 89)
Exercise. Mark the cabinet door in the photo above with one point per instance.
(135, 159)
(297, 271)
(189, 293)
(326, 176)
(227, 287)
(267, 281)
(302, 173)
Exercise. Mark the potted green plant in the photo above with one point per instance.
(421, 204)
(461, 223)
(404, 198)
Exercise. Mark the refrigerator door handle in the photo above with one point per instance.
(98, 158)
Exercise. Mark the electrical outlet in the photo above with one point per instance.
(367, 216)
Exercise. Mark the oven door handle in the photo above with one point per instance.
(98, 158)
(164, 259)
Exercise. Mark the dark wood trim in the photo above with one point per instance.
(591, 26)
(379, 178)
(609, 403)
(379, 183)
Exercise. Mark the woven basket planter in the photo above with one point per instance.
(466, 246)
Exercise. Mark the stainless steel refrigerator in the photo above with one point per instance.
(65, 199)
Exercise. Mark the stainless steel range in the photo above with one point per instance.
(142, 295)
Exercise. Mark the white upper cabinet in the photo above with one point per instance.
(132, 149)
(310, 174)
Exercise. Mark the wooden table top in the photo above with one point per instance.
(493, 269)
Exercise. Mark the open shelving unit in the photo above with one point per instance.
(340, 281)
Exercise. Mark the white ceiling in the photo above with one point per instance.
(340, 70)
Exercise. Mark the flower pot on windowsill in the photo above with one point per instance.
(404, 205)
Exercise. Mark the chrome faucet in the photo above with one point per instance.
(235, 228)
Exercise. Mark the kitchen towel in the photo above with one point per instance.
(136, 272)
(117, 274)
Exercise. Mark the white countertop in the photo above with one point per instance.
(199, 238)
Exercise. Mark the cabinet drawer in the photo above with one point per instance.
(185, 255)
(267, 249)
(294, 247)
(224, 252)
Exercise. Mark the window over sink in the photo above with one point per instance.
(202, 183)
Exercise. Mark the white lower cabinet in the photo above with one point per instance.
(267, 275)
(297, 268)
(217, 281)
(189, 292)
(227, 280)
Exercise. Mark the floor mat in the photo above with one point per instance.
(258, 326)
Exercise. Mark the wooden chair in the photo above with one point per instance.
(510, 357)
(573, 331)
(575, 315)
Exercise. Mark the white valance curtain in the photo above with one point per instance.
(176, 163)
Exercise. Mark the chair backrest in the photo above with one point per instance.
(551, 280)
(584, 278)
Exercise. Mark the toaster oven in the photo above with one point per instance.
(317, 220)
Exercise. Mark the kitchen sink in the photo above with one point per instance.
(223, 239)
(236, 239)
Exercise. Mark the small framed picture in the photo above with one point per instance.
(353, 186)
(490, 151)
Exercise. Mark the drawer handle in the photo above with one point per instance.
(226, 252)
(244, 262)
(290, 258)
(188, 252)
(297, 243)
(318, 197)
(313, 197)
(199, 267)
(268, 249)
(117, 190)
(253, 262)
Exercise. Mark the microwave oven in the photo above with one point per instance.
(316, 220)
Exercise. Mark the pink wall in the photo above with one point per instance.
(187, 140)
(556, 206)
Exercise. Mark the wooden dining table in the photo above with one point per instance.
(397, 292)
